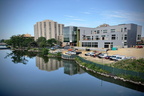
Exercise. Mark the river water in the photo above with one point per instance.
(27, 74)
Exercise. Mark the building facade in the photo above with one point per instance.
(70, 35)
(48, 29)
(123, 35)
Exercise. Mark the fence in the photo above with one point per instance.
(70, 57)
(114, 71)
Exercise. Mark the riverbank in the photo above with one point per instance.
(95, 69)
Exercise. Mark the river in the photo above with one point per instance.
(29, 74)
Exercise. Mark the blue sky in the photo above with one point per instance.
(19, 16)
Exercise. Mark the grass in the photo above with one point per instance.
(130, 64)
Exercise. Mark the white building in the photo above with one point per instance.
(123, 35)
(48, 29)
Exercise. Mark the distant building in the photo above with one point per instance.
(48, 29)
(70, 35)
(27, 35)
(123, 35)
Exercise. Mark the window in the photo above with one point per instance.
(94, 44)
(113, 37)
(91, 31)
(139, 37)
(125, 29)
(86, 44)
(92, 37)
(125, 37)
(112, 30)
(98, 31)
(97, 38)
(88, 37)
(103, 37)
(104, 31)
(108, 44)
(121, 29)
(125, 43)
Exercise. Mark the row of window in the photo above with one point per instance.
(103, 37)
(105, 31)
(95, 44)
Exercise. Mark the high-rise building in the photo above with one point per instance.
(48, 29)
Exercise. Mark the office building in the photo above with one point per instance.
(70, 35)
(105, 36)
(48, 29)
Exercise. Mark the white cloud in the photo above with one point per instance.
(86, 12)
(79, 19)
(69, 16)
(76, 24)
(126, 16)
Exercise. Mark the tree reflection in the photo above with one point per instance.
(20, 56)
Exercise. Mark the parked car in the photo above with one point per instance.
(103, 55)
(118, 58)
(107, 57)
(70, 52)
(139, 46)
(89, 54)
(113, 57)
(78, 53)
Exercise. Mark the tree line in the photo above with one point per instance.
(20, 42)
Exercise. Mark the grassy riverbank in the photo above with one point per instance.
(130, 64)
(121, 75)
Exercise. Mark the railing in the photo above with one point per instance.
(69, 57)
(114, 71)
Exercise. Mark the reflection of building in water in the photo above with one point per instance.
(51, 65)
(71, 68)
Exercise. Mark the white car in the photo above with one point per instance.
(120, 58)
(113, 57)
(103, 55)
(70, 52)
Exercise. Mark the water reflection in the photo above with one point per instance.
(50, 65)
(70, 67)
(20, 56)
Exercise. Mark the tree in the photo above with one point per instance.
(19, 41)
(52, 42)
(41, 41)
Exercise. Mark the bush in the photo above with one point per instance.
(45, 51)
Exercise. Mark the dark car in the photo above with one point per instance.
(107, 57)
(77, 53)
(139, 46)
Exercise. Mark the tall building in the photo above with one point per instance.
(70, 35)
(48, 29)
(123, 35)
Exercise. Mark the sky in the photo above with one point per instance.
(19, 16)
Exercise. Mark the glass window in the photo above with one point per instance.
(98, 31)
(125, 37)
(125, 43)
(113, 37)
(104, 31)
(97, 38)
(125, 29)
(139, 37)
(121, 29)
(112, 30)
(94, 44)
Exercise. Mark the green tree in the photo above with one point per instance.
(41, 41)
(52, 42)
(19, 41)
